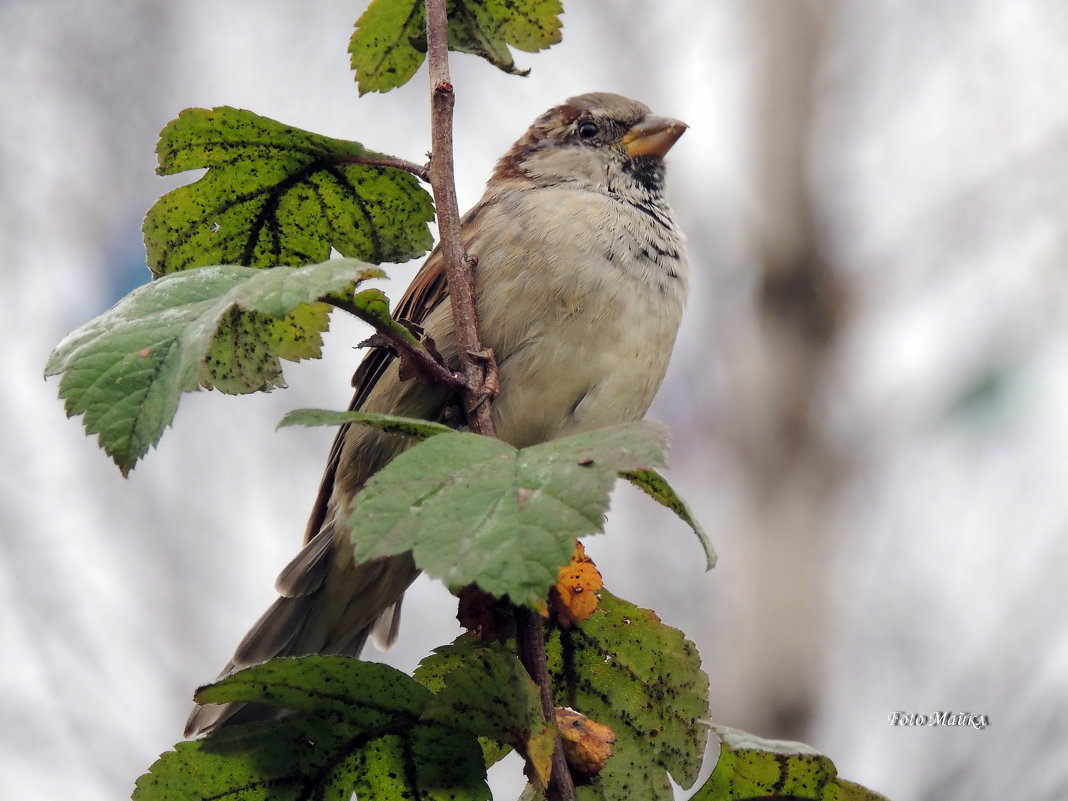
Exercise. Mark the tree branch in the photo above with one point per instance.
(530, 642)
(459, 268)
(478, 364)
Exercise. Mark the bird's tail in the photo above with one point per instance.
(328, 604)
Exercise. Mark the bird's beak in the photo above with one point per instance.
(653, 136)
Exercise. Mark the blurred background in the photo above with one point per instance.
(868, 398)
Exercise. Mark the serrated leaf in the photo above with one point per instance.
(223, 326)
(476, 511)
(271, 761)
(484, 689)
(389, 43)
(358, 730)
(277, 195)
(751, 768)
(529, 25)
(657, 487)
(624, 668)
(368, 693)
(405, 426)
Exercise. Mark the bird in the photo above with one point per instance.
(580, 283)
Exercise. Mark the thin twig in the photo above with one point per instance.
(530, 641)
(418, 357)
(458, 266)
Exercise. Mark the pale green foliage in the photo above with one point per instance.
(224, 327)
(476, 510)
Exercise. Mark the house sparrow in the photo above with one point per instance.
(580, 284)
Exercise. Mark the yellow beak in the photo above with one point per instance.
(653, 136)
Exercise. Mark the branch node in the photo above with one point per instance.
(490, 384)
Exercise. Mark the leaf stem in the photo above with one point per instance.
(420, 171)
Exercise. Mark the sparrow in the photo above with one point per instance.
(580, 284)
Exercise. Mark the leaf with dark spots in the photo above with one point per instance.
(389, 43)
(356, 728)
(625, 669)
(277, 195)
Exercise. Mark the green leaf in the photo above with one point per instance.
(372, 306)
(486, 27)
(225, 327)
(752, 768)
(389, 43)
(405, 426)
(528, 25)
(433, 670)
(484, 689)
(657, 487)
(357, 730)
(624, 668)
(477, 511)
(367, 693)
(274, 194)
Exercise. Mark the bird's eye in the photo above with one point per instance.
(588, 129)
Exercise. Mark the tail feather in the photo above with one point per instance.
(308, 569)
(276, 633)
(387, 627)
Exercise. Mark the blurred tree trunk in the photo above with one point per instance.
(776, 387)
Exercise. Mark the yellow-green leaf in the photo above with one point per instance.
(625, 669)
(483, 688)
(389, 43)
(356, 728)
(657, 487)
(277, 195)
(751, 768)
(405, 426)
